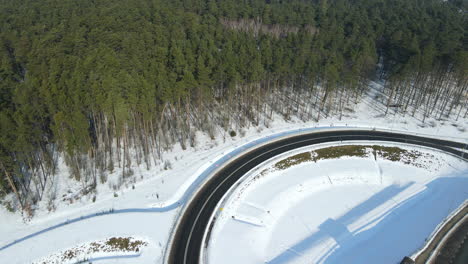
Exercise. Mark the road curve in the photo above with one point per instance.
(188, 237)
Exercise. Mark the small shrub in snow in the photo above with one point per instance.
(51, 205)
(192, 139)
(182, 145)
(102, 176)
(242, 133)
(167, 165)
(128, 173)
(74, 172)
(110, 167)
(28, 210)
(9, 206)
(211, 132)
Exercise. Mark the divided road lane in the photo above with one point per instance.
(188, 237)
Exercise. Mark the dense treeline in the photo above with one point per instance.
(105, 83)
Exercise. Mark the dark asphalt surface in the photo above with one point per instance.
(188, 236)
(462, 255)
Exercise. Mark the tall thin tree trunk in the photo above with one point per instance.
(12, 185)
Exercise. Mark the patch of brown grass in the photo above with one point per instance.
(393, 153)
(340, 151)
(294, 160)
(382, 152)
(124, 244)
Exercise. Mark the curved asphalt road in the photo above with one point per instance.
(187, 240)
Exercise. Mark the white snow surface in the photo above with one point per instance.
(147, 203)
(346, 210)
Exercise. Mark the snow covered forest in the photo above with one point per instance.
(107, 84)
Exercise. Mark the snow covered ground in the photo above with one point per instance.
(146, 204)
(345, 210)
(121, 247)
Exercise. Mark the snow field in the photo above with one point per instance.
(347, 210)
(98, 250)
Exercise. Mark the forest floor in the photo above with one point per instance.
(145, 204)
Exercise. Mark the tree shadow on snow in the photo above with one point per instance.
(89, 216)
(394, 234)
